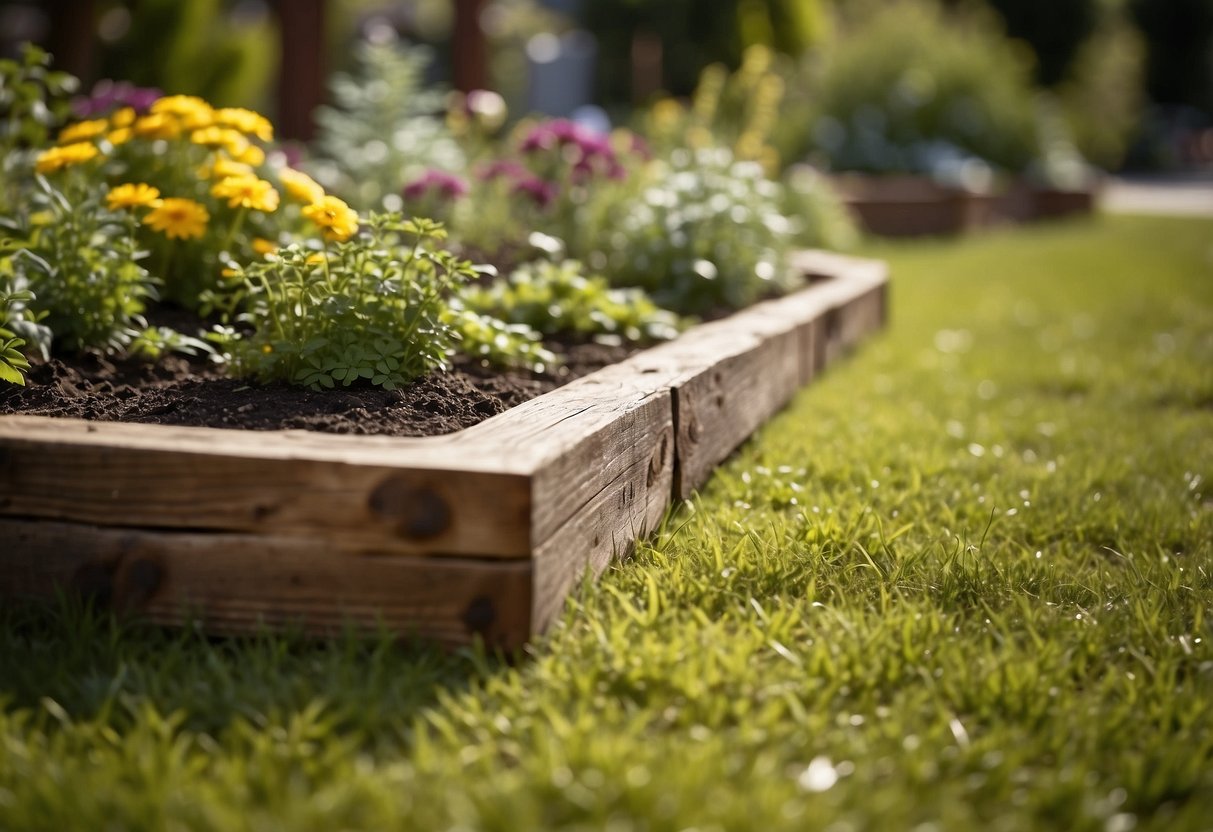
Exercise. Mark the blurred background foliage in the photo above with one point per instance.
(1126, 76)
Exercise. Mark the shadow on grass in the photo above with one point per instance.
(87, 664)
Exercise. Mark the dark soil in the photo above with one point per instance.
(181, 391)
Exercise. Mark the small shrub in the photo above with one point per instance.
(912, 88)
(384, 128)
(561, 299)
(706, 233)
(82, 263)
(33, 100)
(373, 309)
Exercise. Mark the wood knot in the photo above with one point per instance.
(419, 513)
(480, 615)
(140, 581)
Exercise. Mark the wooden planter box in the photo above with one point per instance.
(1056, 203)
(481, 533)
(914, 206)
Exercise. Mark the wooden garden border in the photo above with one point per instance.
(478, 533)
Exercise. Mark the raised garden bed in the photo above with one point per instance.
(911, 206)
(478, 533)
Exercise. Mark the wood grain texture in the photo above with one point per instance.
(607, 527)
(232, 583)
(200, 479)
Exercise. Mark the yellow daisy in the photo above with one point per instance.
(157, 126)
(246, 121)
(263, 246)
(246, 192)
(123, 118)
(337, 220)
(300, 186)
(178, 218)
(55, 158)
(83, 131)
(190, 110)
(132, 195)
(252, 155)
(224, 137)
(224, 167)
(120, 136)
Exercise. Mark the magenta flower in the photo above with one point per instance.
(446, 186)
(501, 168)
(537, 190)
(108, 95)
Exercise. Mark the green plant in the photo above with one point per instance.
(494, 342)
(910, 87)
(561, 299)
(82, 263)
(707, 233)
(818, 216)
(371, 308)
(384, 128)
(33, 101)
(13, 301)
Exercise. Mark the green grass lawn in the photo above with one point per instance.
(963, 582)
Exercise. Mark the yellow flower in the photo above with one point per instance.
(246, 121)
(230, 140)
(55, 158)
(120, 136)
(263, 246)
(246, 192)
(157, 126)
(315, 258)
(191, 111)
(253, 155)
(83, 131)
(224, 167)
(300, 186)
(132, 195)
(178, 218)
(338, 220)
(123, 118)
(230, 273)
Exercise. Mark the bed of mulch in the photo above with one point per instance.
(185, 391)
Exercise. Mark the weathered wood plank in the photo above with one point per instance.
(201, 479)
(234, 583)
(606, 527)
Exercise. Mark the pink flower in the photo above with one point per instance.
(446, 186)
(540, 192)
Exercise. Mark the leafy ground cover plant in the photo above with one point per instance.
(14, 320)
(707, 232)
(368, 307)
(561, 299)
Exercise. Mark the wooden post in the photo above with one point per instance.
(469, 58)
(73, 36)
(302, 70)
